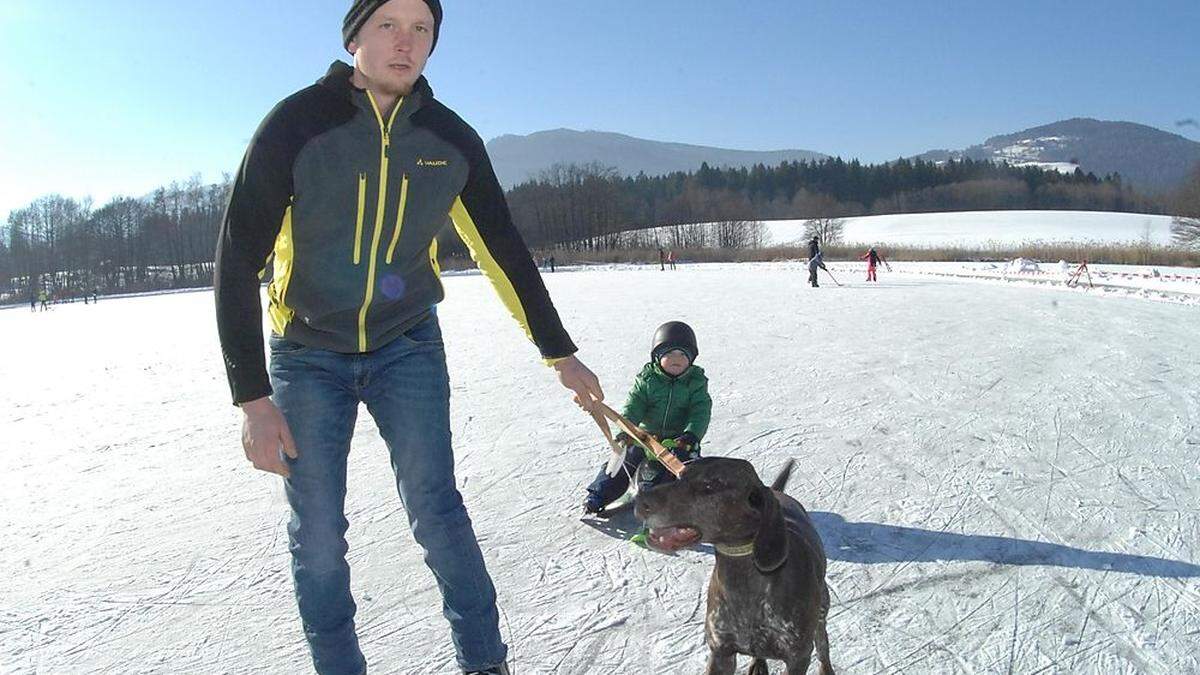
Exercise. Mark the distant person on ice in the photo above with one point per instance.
(353, 317)
(669, 399)
(816, 260)
(873, 259)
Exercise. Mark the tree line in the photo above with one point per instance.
(68, 248)
(582, 207)
(167, 239)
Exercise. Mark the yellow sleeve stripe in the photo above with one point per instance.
(487, 264)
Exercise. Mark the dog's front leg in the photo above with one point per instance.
(721, 662)
(799, 665)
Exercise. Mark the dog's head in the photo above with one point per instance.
(717, 500)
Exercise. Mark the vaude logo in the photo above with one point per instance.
(432, 162)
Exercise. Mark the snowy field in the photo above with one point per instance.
(1004, 475)
(1162, 284)
(990, 228)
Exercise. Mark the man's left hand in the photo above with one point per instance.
(581, 380)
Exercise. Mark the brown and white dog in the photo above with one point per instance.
(767, 597)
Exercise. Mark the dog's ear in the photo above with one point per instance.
(770, 544)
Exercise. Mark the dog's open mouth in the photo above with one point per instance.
(672, 538)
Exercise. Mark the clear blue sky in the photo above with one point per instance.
(119, 96)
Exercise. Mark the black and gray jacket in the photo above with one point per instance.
(348, 204)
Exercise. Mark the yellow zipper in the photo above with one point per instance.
(362, 201)
(433, 259)
(385, 140)
(399, 217)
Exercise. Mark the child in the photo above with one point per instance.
(873, 258)
(669, 399)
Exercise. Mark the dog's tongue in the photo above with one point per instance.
(672, 538)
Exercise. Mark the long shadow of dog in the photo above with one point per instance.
(870, 543)
(873, 543)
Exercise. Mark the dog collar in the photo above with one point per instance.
(736, 551)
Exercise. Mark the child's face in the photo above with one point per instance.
(674, 362)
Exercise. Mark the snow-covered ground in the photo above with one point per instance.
(991, 228)
(1004, 476)
(1164, 284)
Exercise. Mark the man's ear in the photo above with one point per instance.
(352, 47)
(770, 544)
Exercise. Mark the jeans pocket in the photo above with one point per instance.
(426, 332)
(282, 345)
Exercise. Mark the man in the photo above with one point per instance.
(346, 183)
(816, 260)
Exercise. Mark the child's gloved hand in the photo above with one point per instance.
(684, 443)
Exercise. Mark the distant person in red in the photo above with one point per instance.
(873, 259)
(671, 259)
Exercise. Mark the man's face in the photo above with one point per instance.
(393, 45)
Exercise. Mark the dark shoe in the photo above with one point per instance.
(591, 508)
(501, 669)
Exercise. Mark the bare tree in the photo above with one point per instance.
(806, 204)
(20, 250)
(1185, 228)
(578, 205)
(828, 230)
(6, 270)
(1186, 231)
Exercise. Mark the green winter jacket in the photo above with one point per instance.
(669, 406)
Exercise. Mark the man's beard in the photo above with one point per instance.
(392, 86)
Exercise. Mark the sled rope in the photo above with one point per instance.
(664, 456)
(617, 461)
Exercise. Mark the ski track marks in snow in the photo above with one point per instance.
(1003, 476)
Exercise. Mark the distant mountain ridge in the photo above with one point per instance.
(519, 158)
(1147, 158)
(1150, 159)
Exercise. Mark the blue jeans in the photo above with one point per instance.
(406, 389)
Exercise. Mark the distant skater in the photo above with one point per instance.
(873, 259)
(815, 261)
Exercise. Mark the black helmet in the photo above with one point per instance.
(674, 335)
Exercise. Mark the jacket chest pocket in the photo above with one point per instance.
(401, 209)
(358, 219)
(425, 199)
